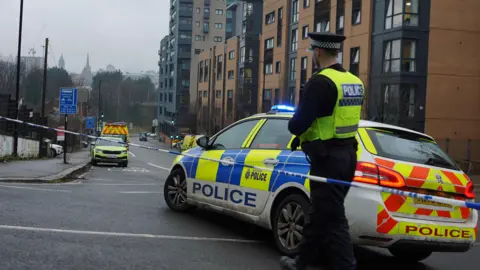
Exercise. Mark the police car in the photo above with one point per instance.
(388, 156)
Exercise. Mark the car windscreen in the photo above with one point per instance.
(113, 142)
(409, 147)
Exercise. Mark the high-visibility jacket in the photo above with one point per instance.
(343, 123)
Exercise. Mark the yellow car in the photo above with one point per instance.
(110, 150)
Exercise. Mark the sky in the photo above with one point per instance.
(123, 33)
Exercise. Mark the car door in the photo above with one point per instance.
(211, 180)
(267, 148)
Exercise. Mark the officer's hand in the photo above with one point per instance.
(295, 144)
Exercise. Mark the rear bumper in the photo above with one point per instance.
(372, 225)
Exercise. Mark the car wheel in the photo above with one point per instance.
(288, 223)
(410, 255)
(125, 164)
(94, 162)
(175, 191)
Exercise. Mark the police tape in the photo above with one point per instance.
(432, 198)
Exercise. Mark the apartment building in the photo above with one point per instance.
(194, 26)
(227, 84)
(417, 58)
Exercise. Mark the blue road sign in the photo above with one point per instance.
(90, 122)
(68, 100)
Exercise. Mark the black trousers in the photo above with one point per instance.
(327, 233)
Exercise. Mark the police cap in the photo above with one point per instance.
(326, 40)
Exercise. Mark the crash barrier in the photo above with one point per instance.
(437, 199)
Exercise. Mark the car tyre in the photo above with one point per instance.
(410, 255)
(175, 191)
(94, 162)
(125, 164)
(289, 219)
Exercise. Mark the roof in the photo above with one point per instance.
(363, 123)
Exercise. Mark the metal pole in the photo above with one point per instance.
(17, 90)
(45, 67)
(65, 141)
(99, 103)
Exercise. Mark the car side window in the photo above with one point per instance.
(274, 134)
(234, 137)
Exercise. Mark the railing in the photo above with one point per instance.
(466, 152)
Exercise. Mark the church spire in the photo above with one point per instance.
(88, 61)
(61, 62)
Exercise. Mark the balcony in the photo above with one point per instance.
(245, 81)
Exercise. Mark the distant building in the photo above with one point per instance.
(61, 62)
(86, 77)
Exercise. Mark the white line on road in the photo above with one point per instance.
(160, 167)
(133, 155)
(139, 192)
(41, 189)
(171, 237)
(82, 175)
(102, 184)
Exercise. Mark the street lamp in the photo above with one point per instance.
(17, 90)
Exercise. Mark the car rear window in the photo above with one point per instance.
(409, 147)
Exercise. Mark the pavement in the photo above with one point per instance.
(44, 170)
(116, 218)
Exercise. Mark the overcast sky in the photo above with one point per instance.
(124, 33)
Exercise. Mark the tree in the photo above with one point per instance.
(110, 93)
(57, 78)
(8, 75)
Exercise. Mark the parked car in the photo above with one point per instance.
(56, 149)
(143, 137)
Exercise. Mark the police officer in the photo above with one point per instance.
(325, 125)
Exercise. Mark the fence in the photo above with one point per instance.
(465, 151)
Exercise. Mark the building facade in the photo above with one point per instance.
(227, 80)
(415, 58)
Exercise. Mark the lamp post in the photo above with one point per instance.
(17, 90)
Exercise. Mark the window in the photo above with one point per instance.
(198, 10)
(280, 13)
(293, 69)
(340, 22)
(267, 94)
(242, 55)
(354, 60)
(170, 97)
(219, 11)
(218, 94)
(356, 11)
(269, 44)
(305, 32)
(197, 24)
(217, 39)
(410, 147)
(340, 58)
(396, 59)
(270, 18)
(186, 83)
(231, 74)
(278, 67)
(229, 14)
(294, 40)
(295, 11)
(230, 94)
(231, 55)
(206, 26)
(234, 137)
(198, 37)
(247, 9)
(229, 27)
(306, 3)
(323, 26)
(218, 25)
(185, 35)
(206, 10)
(268, 68)
(205, 94)
(401, 12)
(273, 135)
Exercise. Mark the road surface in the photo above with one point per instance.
(116, 218)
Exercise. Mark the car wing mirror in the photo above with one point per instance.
(203, 142)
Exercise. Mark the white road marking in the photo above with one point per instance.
(40, 189)
(160, 167)
(139, 192)
(101, 184)
(133, 155)
(157, 236)
(82, 175)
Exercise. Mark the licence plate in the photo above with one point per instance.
(430, 203)
(112, 156)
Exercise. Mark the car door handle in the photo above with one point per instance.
(270, 161)
(227, 161)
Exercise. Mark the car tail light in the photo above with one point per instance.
(373, 174)
(470, 189)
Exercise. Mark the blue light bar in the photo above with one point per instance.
(283, 108)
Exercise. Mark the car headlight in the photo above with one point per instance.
(98, 151)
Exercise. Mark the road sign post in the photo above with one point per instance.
(68, 105)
